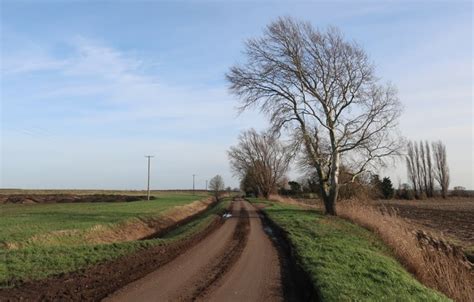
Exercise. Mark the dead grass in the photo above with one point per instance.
(434, 262)
(289, 200)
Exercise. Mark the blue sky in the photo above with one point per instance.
(89, 87)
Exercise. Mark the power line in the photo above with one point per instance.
(148, 183)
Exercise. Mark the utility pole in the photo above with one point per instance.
(206, 185)
(148, 183)
(193, 183)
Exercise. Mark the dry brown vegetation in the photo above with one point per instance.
(141, 228)
(434, 262)
(452, 218)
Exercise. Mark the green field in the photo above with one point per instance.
(19, 223)
(33, 261)
(344, 261)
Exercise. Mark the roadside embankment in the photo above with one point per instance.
(344, 262)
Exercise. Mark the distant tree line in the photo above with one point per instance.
(261, 161)
(367, 186)
(426, 163)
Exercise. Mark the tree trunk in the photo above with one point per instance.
(266, 195)
(330, 188)
(330, 202)
(444, 192)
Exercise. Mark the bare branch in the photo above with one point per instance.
(322, 89)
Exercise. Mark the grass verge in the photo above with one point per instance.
(344, 261)
(38, 262)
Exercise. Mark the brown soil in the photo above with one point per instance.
(67, 198)
(452, 217)
(236, 263)
(257, 274)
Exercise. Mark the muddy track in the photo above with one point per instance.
(238, 262)
(297, 284)
(232, 260)
(224, 261)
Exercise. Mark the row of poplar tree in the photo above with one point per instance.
(427, 163)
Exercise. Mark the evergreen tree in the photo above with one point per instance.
(387, 188)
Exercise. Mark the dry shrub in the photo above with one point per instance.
(289, 200)
(433, 262)
(282, 199)
(356, 190)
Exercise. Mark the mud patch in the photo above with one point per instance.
(225, 261)
(297, 285)
(67, 198)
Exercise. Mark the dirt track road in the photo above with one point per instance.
(237, 262)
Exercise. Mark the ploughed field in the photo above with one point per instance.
(453, 217)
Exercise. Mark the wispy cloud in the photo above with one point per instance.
(95, 70)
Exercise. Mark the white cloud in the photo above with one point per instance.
(94, 71)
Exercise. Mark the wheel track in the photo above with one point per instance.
(238, 262)
(231, 261)
(225, 261)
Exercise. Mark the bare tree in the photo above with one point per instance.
(429, 175)
(260, 159)
(420, 168)
(412, 167)
(248, 185)
(441, 168)
(216, 185)
(424, 168)
(322, 89)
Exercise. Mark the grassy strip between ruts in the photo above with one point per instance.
(38, 262)
(344, 261)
